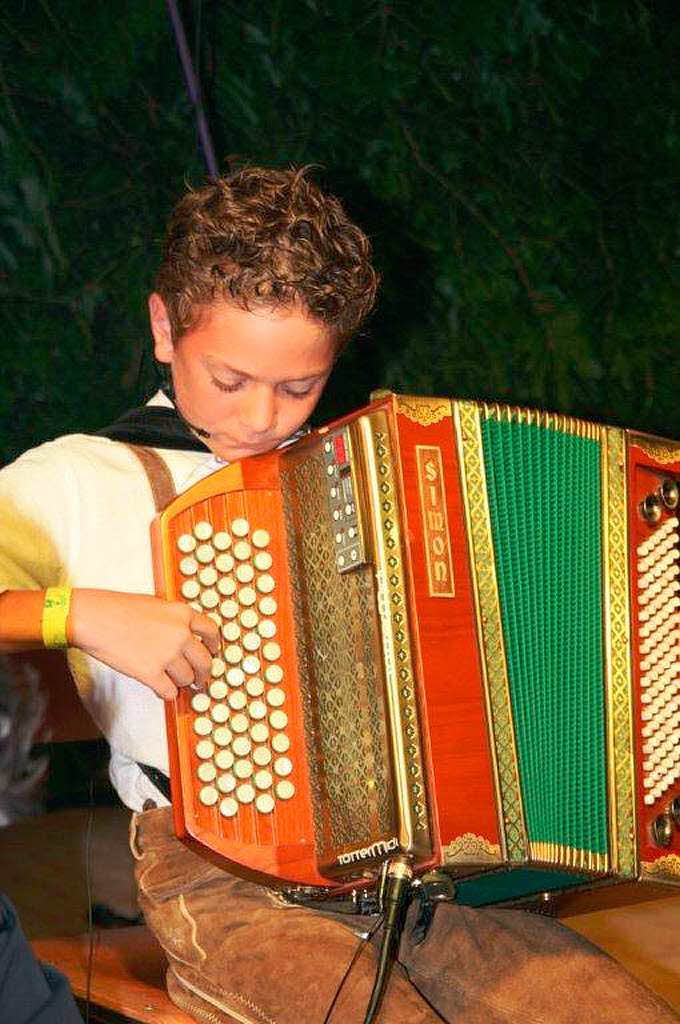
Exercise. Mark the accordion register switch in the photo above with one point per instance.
(411, 664)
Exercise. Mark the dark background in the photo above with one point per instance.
(516, 164)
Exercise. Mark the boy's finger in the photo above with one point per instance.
(207, 630)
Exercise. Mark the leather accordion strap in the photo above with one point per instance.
(158, 778)
(158, 475)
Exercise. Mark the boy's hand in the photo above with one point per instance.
(164, 644)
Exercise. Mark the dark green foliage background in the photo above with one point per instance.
(516, 165)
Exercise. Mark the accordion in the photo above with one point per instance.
(449, 630)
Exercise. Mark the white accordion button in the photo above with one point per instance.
(208, 796)
(222, 736)
(210, 598)
(243, 768)
(271, 651)
(259, 733)
(266, 628)
(257, 710)
(262, 561)
(237, 700)
(240, 527)
(262, 756)
(273, 673)
(249, 618)
(190, 589)
(203, 530)
(241, 746)
(205, 749)
(226, 783)
(251, 664)
(265, 583)
(280, 743)
(226, 586)
(233, 654)
(221, 540)
(239, 723)
(229, 609)
(263, 779)
(245, 794)
(188, 566)
(228, 807)
(208, 576)
(186, 543)
(251, 642)
(283, 766)
(255, 686)
(200, 703)
(241, 550)
(220, 714)
(247, 596)
(236, 677)
(218, 690)
(276, 697)
(224, 563)
(244, 573)
(268, 605)
(264, 803)
(278, 719)
(261, 538)
(231, 631)
(285, 789)
(217, 667)
(205, 553)
(224, 759)
(206, 771)
(202, 726)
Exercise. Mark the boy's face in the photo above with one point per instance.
(248, 378)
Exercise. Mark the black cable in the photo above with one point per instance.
(397, 885)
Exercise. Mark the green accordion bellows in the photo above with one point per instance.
(544, 493)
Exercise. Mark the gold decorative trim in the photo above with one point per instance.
(424, 411)
(490, 633)
(549, 420)
(409, 778)
(667, 867)
(569, 857)
(471, 849)
(618, 682)
(662, 451)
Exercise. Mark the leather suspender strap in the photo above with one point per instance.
(158, 475)
(163, 491)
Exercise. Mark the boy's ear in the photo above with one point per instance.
(160, 329)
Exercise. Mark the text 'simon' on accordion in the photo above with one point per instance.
(450, 630)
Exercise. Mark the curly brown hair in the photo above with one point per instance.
(264, 238)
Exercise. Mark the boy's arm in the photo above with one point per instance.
(163, 644)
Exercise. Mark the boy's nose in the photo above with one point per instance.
(258, 409)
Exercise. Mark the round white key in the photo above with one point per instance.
(202, 726)
(237, 700)
(241, 746)
(271, 651)
(278, 719)
(236, 677)
(285, 789)
(243, 768)
(262, 756)
(268, 606)
(233, 654)
(203, 530)
(266, 628)
(224, 563)
(264, 803)
(220, 714)
(251, 642)
(221, 540)
(200, 702)
(205, 553)
(224, 759)
(249, 618)
(280, 743)
(259, 734)
(276, 697)
(263, 779)
(273, 673)
(188, 566)
(262, 561)
(239, 723)
(257, 710)
(265, 583)
(208, 577)
(228, 807)
(261, 538)
(186, 543)
(210, 598)
(242, 550)
(217, 668)
(240, 527)
(229, 609)
(222, 736)
(283, 766)
(244, 573)
(218, 689)
(251, 664)
(226, 586)
(215, 616)
(205, 749)
(190, 589)
(255, 686)
(206, 771)
(231, 631)
(247, 596)
(208, 796)
(245, 794)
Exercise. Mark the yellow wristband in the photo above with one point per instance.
(54, 616)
